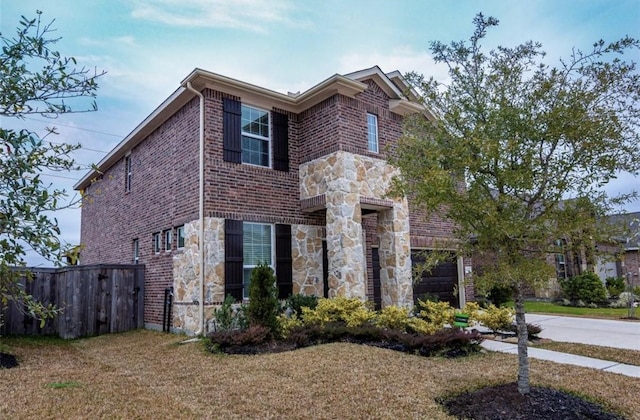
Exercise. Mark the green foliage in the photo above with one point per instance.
(496, 319)
(436, 313)
(586, 288)
(499, 295)
(287, 323)
(352, 312)
(263, 306)
(230, 316)
(296, 302)
(35, 79)
(615, 286)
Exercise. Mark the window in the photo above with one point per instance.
(127, 173)
(255, 136)
(372, 133)
(168, 237)
(257, 245)
(156, 243)
(561, 265)
(180, 236)
(136, 251)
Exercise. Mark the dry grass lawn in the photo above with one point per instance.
(145, 374)
(630, 357)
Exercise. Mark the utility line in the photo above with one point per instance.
(77, 128)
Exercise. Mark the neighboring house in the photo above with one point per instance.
(626, 261)
(298, 181)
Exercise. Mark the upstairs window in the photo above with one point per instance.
(372, 132)
(156, 243)
(180, 236)
(127, 173)
(256, 141)
(136, 251)
(168, 239)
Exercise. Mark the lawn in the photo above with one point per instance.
(145, 374)
(552, 308)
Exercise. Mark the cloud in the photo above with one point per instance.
(250, 15)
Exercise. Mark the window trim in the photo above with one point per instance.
(268, 139)
(179, 236)
(156, 243)
(245, 288)
(372, 123)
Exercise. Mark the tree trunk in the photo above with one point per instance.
(523, 338)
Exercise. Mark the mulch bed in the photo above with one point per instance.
(505, 402)
(8, 361)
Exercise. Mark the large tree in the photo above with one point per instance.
(34, 79)
(520, 151)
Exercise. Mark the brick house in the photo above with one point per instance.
(296, 180)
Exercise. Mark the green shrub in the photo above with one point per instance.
(496, 319)
(263, 306)
(296, 302)
(228, 318)
(615, 286)
(499, 295)
(436, 313)
(586, 288)
(393, 317)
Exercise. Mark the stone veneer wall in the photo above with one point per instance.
(186, 269)
(306, 254)
(344, 178)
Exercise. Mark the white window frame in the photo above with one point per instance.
(372, 133)
(179, 237)
(245, 284)
(168, 240)
(128, 173)
(157, 246)
(136, 251)
(258, 137)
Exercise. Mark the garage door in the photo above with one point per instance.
(441, 281)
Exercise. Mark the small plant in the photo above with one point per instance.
(287, 323)
(296, 302)
(437, 313)
(228, 318)
(253, 336)
(497, 319)
(615, 286)
(393, 317)
(263, 304)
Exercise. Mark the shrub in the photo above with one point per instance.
(496, 319)
(228, 318)
(352, 312)
(253, 336)
(473, 310)
(499, 295)
(587, 287)
(287, 323)
(623, 300)
(393, 317)
(263, 304)
(615, 286)
(532, 330)
(296, 302)
(437, 313)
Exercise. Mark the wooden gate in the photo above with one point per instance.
(95, 299)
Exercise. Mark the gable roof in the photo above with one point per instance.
(349, 85)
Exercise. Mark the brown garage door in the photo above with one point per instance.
(441, 281)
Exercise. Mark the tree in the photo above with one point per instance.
(34, 79)
(519, 153)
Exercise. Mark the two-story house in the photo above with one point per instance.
(225, 174)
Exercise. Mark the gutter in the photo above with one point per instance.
(200, 211)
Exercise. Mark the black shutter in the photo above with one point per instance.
(280, 141)
(231, 127)
(283, 261)
(233, 258)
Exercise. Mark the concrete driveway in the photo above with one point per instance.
(599, 332)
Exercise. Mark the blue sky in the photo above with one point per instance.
(148, 46)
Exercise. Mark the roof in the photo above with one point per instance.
(402, 100)
(631, 223)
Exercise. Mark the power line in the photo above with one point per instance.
(81, 147)
(77, 128)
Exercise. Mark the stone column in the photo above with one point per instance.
(396, 285)
(345, 250)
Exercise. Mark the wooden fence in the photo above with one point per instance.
(95, 299)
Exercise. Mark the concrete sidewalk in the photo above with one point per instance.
(565, 358)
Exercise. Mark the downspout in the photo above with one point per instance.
(201, 211)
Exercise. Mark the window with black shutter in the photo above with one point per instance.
(280, 141)
(284, 275)
(233, 258)
(232, 139)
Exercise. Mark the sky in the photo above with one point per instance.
(148, 46)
